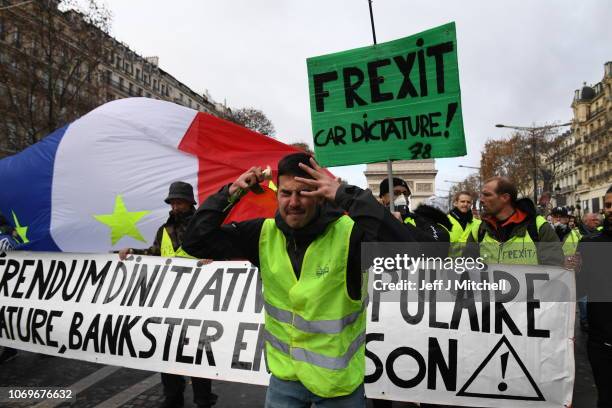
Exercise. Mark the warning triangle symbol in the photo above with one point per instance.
(502, 375)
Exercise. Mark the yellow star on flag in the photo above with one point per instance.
(122, 222)
(21, 231)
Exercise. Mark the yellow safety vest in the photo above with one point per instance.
(166, 247)
(459, 236)
(315, 333)
(570, 242)
(519, 250)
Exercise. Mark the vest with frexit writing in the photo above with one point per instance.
(518, 250)
(315, 333)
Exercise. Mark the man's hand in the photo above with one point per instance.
(123, 253)
(252, 176)
(573, 262)
(326, 186)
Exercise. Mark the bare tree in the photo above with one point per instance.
(471, 184)
(50, 51)
(253, 119)
(510, 158)
(555, 154)
(303, 146)
(525, 154)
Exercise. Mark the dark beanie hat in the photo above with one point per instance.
(180, 190)
(384, 186)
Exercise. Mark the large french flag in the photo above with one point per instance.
(98, 184)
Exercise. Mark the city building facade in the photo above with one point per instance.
(592, 137)
(56, 65)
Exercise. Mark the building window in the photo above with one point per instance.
(137, 74)
(139, 91)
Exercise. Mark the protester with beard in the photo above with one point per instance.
(511, 228)
(594, 280)
(462, 221)
(167, 242)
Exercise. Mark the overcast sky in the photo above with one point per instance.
(519, 61)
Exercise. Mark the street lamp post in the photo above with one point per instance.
(533, 131)
(449, 192)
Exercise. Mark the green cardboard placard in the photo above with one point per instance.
(399, 100)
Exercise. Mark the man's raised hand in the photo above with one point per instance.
(252, 176)
(325, 185)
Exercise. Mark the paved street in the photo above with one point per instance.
(102, 386)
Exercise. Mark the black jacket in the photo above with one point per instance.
(595, 280)
(176, 225)
(207, 238)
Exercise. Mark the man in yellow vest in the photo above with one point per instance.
(462, 221)
(167, 241)
(309, 262)
(511, 232)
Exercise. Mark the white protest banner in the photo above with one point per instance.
(150, 313)
(507, 342)
(174, 316)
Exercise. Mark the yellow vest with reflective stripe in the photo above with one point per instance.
(518, 250)
(459, 236)
(315, 333)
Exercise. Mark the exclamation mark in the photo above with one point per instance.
(504, 360)
(450, 114)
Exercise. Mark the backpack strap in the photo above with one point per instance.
(533, 228)
(481, 232)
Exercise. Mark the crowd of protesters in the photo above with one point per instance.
(320, 226)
